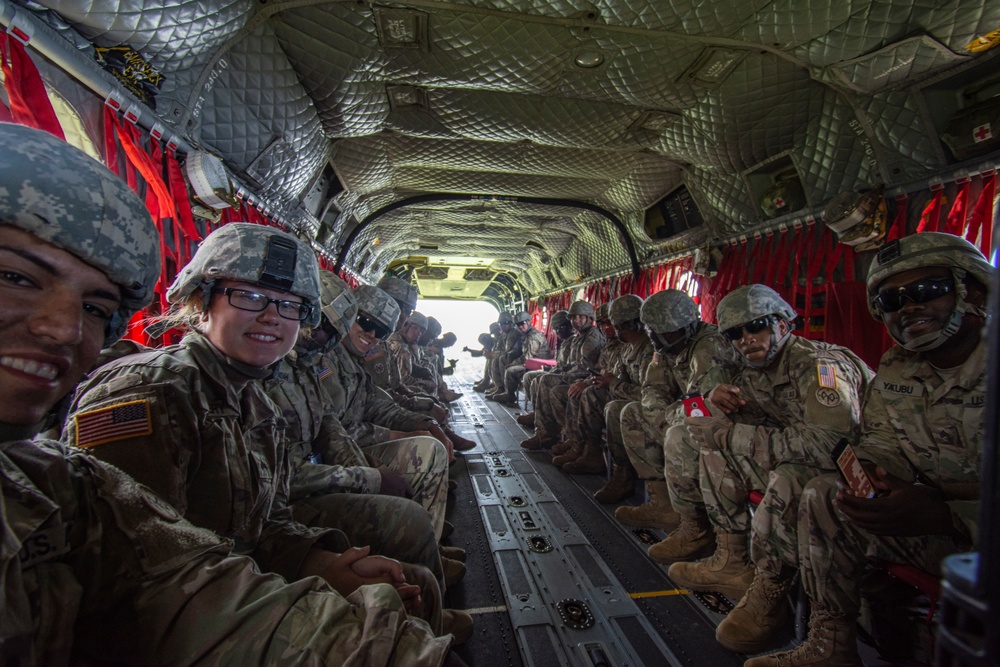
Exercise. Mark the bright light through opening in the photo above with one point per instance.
(466, 319)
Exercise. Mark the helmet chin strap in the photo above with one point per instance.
(935, 339)
(775, 348)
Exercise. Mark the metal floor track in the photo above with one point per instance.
(552, 578)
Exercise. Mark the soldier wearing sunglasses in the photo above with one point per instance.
(920, 445)
(771, 430)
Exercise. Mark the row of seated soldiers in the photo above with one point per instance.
(777, 406)
(246, 496)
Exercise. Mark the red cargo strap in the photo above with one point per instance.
(897, 226)
(931, 216)
(29, 101)
(981, 224)
(959, 213)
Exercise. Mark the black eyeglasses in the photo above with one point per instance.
(373, 326)
(751, 327)
(255, 303)
(919, 291)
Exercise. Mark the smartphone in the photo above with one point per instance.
(694, 405)
(851, 470)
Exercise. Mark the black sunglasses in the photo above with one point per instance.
(520, 324)
(919, 291)
(372, 326)
(751, 327)
(255, 303)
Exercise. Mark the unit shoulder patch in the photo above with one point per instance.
(828, 397)
(115, 422)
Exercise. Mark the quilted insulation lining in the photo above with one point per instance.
(504, 111)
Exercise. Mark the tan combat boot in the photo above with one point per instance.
(575, 452)
(760, 614)
(454, 570)
(527, 420)
(831, 643)
(591, 462)
(619, 487)
(562, 447)
(656, 513)
(692, 539)
(727, 571)
(457, 623)
(541, 440)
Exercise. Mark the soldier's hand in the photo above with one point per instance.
(576, 389)
(710, 432)
(439, 413)
(604, 381)
(727, 398)
(410, 595)
(903, 509)
(339, 571)
(394, 484)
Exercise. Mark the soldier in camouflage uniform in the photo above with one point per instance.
(509, 344)
(94, 567)
(533, 346)
(487, 341)
(333, 484)
(198, 428)
(771, 430)
(921, 445)
(549, 405)
(560, 324)
(404, 352)
(691, 356)
(371, 417)
(610, 392)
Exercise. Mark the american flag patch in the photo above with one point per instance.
(324, 371)
(114, 423)
(827, 376)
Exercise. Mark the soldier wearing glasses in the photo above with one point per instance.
(771, 430)
(920, 444)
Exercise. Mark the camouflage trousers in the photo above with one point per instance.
(393, 527)
(495, 372)
(512, 378)
(423, 461)
(726, 481)
(530, 387)
(833, 552)
(643, 442)
(613, 423)
(550, 404)
(585, 415)
(682, 471)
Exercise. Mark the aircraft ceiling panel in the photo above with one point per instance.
(615, 102)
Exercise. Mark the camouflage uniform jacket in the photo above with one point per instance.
(385, 375)
(533, 346)
(322, 457)
(634, 360)
(206, 439)
(610, 358)
(922, 428)
(366, 412)
(707, 361)
(404, 356)
(797, 411)
(587, 350)
(510, 347)
(83, 548)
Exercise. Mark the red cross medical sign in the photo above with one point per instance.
(982, 133)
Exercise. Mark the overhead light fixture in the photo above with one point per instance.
(402, 28)
(714, 65)
(589, 59)
(406, 98)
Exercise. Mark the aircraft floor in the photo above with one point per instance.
(612, 557)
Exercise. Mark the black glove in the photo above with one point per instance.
(394, 484)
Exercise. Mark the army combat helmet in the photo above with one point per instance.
(559, 319)
(625, 308)
(254, 254)
(669, 311)
(582, 308)
(521, 318)
(339, 307)
(381, 308)
(403, 292)
(925, 250)
(753, 302)
(603, 312)
(61, 195)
